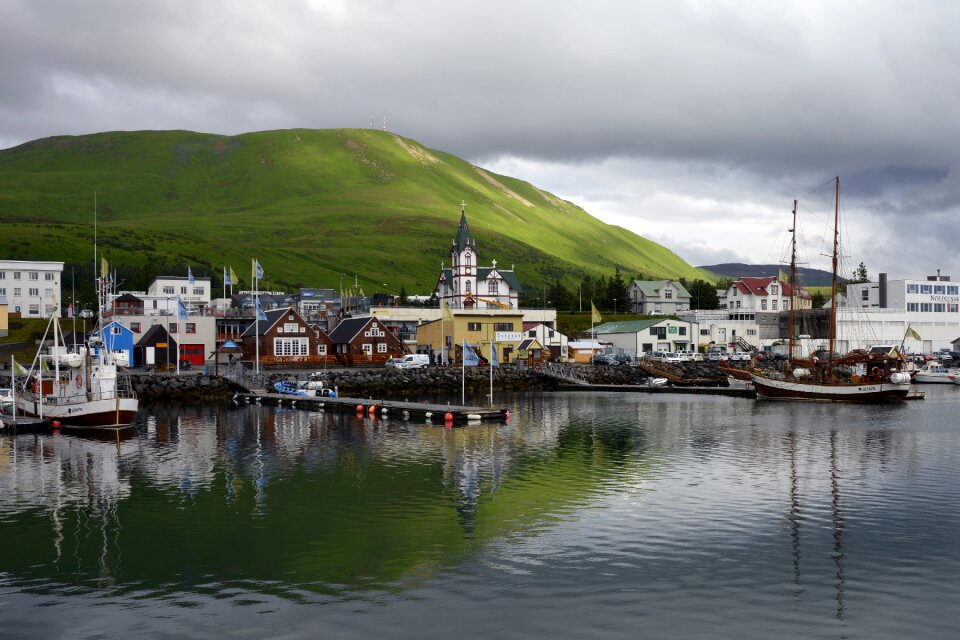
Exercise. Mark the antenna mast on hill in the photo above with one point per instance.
(384, 123)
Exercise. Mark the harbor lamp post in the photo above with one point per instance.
(614, 306)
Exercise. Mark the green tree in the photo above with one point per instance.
(617, 295)
(818, 299)
(703, 295)
(560, 297)
(402, 298)
(860, 275)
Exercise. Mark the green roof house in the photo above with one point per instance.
(658, 297)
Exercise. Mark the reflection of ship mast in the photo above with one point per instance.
(837, 522)
(794, 516)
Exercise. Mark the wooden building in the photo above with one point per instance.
(156, 349)
(365, 340)
(286, 340)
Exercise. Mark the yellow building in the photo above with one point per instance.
(478, 328)
(4, 318)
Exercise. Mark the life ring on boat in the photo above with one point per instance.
(875, 371)
(78, 381)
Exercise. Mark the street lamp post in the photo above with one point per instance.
(614, 306)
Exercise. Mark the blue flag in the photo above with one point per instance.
(257, 269)
(261, 316)
(226, 277)
(190, 276)
(181, 309)
(470, 357)
(493, 354)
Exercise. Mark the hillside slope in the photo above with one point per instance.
(312, 205)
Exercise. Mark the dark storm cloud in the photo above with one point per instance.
(739, 104)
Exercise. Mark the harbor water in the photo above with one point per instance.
(588, 515)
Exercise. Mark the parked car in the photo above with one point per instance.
(696, 356)
(603, 359)
(623, 358)
(409, 361)
(671, 357)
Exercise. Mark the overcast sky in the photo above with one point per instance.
(694, 123)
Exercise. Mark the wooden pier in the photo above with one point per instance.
(437, 413)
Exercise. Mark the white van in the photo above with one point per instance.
(410, 361)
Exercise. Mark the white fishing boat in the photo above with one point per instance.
(6, 401)
(933, 372)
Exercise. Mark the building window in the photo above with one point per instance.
(34, 310)
(939, 288)
(734, 292)
(34, 275)
(912, 306)
(659, 332)
(168, 290)
(291, 346)
(926, 288)
(381, 347)
(774, 290)
(658, 308)
(912, 288)
(503, 326)
(763, 304)
(492, 288)
(16, 275)
(774, 302)
(198, 291)
(681, 331)
(668, 294)
(3, 292)
(48, 292)
(16, 291)
(116, 330)
(939, 307)
(925, 307)
(321, 349)
(183, 291)
(865, 295)
(953, 290)
(738, 304)
(135, 327)
(3, 275)
(952, 308)
(468, 286)
(48, 276)
(473, 326)
(191, 327)
(704, 332)
(34, 292)
(172, 327)
(367, 349)
(48, 309)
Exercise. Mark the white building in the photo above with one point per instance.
(658, 297)
(32, 287)
(196, 293)
(466, 285)
(548, 337)
(636, 337)
(765, 294)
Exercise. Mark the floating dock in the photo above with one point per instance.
(734, 392)
(22, 424)
(438, 413)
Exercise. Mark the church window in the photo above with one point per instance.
(492, 288)
(467, 286)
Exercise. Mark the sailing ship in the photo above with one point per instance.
(859, 376)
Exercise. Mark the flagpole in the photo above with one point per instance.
(256, 311)
(493, 346)
(463, 373)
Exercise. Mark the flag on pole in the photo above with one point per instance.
(782, 277)
(493, 354)
(226, 277)
(257, 269)
(181, 309)
(104, 267)
(595, 315)
(470, 357)
(261, 316)
(233, 277)
(18, 369)
(911, 333)
(447, 312)
(190, 278)
(43, 367)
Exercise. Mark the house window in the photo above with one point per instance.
(115, 330)
(774, 290)
(704, 332)
(503, 326)
(658, 308)
(865, 295)
(468, 286)
(786, 305)
(34, 275)
(3, 292)
(492, 288)
(925, 307)
(953, 290)
(321, 349)
(172, 327)
(473, 326)
(659, 332)
(912, 288)
(16, 275)
(939, 288)
(48, 292)
(913, 306)
(381, 347)
(763, 304)
(3, 275)
(48, 309)
(291, 347)
(952, 308)
(939, 307)
(34, 309)
(290, 327)
(183, 290)
(135, 327)
(191, 327)
(367, 349)
(16, 291)
(738, 304)
(734, 291)
(532, 333)
(48, 276)
(34, 292)
(774, 305)
(925, 288)
(168, 290)
(198, 291)
(668, 294)
(682, 331)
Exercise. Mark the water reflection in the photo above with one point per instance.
(675, 501)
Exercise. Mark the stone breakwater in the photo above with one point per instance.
(407, 383)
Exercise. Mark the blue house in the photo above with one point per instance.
(117, 337)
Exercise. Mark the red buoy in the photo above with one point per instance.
(448, 417)
(55, 424)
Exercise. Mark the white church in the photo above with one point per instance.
(466, 285)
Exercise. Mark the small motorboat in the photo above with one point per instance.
(933, 372)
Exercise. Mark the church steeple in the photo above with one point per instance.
(464, 238)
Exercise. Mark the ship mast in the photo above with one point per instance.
(793, 279)
(833, 283)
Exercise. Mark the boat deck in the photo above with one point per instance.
(23, 424)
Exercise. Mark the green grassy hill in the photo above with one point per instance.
(312, 205)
